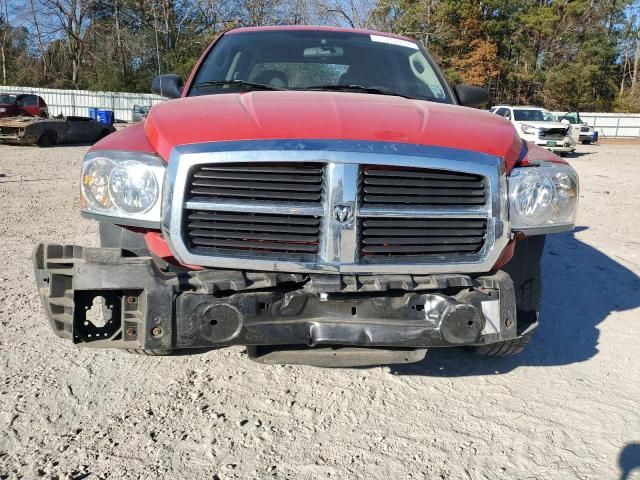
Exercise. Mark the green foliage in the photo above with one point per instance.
(563, 54)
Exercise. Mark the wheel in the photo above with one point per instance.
(562, 154)
(524, 269)
(586, 142)
(47, 139)
(527, 304)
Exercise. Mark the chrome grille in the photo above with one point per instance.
(224, 233)
(384, 238)
(415, 186)
(284, 182)
(335, 207)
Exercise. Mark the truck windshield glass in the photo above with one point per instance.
(533, 116)
(5, 99)
(320, 60)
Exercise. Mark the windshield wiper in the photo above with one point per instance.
(237, 83)
(361, 89)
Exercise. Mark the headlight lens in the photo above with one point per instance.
(133, 187)
(124, 185)
(543, 199)
(528, 129)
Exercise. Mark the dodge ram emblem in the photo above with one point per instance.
(342, 213)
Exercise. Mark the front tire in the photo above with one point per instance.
(527, 303)
(524, 269)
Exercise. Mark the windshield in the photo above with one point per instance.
(5, 99)
(533, 116)
(323, 60)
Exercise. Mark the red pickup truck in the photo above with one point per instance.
(319, 195)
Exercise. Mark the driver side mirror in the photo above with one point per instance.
(565, 121)
(168, 85)
(471, 96)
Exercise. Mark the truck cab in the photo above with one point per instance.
(23, 105)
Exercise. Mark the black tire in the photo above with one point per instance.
(562, 154)
(47, 139)
(586, 142)
(527, 303)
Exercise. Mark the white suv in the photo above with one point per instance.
(580, 131)
(539, 126)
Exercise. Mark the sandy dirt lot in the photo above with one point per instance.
(566, 408)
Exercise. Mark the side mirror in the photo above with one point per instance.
(565, 121)
(470, 96)
(168, 85)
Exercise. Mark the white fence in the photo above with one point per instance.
(78, 102)
(611, 125)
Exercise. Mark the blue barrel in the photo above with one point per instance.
(105, 116)
(93, 112)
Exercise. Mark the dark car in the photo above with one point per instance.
(23, 105)
(140, 112)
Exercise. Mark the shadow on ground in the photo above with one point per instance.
(581, 286)
(629, 460)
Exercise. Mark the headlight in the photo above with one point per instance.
(543, 199)
(123, 185)
(2, 109)
(528, 129)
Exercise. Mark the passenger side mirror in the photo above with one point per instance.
(168, 85)
(565, 121)
(471, 96)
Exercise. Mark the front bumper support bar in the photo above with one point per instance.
(145, 307)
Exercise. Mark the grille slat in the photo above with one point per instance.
(280, 181)
(418, 223)
(435, 183)
(384, 238)
(253, 227)
(241, 234)
(255, 195)
(416, 232)
(252, 246)
(421, 187)
(419, 249)
(423, 200)
(255, 218)
(420, 240)
(421, 191)
(250, 236)
(300, 187)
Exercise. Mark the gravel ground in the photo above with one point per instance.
(566, 408)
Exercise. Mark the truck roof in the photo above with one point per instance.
(317, 28)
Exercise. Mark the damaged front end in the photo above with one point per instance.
(282, 317)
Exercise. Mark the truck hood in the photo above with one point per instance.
(269, 115)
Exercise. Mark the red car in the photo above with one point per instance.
(319, 195)
(19, 105)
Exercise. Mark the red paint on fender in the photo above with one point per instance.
(132, 139)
